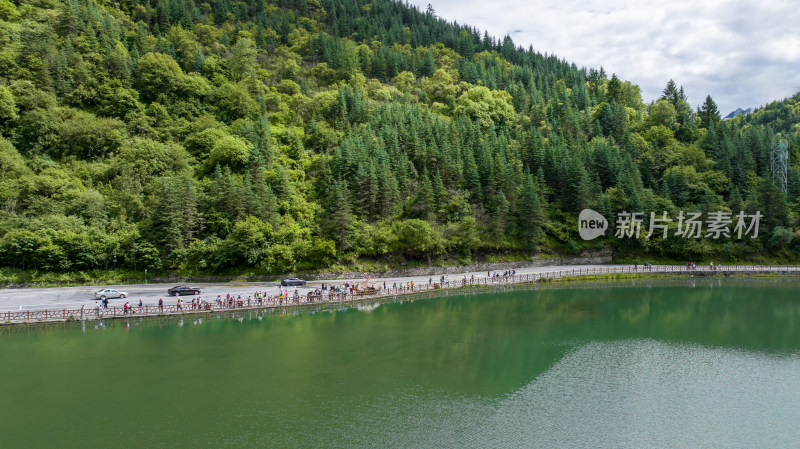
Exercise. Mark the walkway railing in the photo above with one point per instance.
(327, 297)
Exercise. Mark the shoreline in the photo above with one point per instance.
(585, 274)
(17, 299)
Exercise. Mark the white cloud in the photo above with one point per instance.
(743, 53)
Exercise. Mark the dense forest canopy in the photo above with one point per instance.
(293, 134)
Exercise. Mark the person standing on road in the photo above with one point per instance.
(160, 305)
(180, 301)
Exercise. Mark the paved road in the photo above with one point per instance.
(74, 297)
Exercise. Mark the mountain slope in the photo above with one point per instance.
(780, 116)
(737, 112)
(292, 135)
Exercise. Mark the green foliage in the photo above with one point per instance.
(417, 238)
(159, 76)
(158, 73)
(486, 107)
(249, 240)
(87, 136)
(141, 159)
(8, 107)
(233, 102)
(243, 59)
(291, 135)
(8, 11)
(12, 165)
(662, 113)
(708, 113)
(231, 151)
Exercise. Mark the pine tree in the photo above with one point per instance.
(708, 113)
(365, 195)
(338, 216)
(428, 65)
(440, 194)
(430, 11)
(735, 201)
(424, 201)
(499, 216)
(530, 213)
(389, 194)
(671, 93)
(174, 219)
(472, 181)
(614, 90)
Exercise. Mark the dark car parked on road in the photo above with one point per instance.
(183, 290)
(293, 281)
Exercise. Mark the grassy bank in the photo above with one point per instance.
(10, 277)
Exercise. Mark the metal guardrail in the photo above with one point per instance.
(57, 315)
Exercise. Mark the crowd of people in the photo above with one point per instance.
(327, 291)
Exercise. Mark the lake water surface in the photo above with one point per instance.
(706, 363)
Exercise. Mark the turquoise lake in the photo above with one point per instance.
(650, 363)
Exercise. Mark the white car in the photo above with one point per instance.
(109, 293)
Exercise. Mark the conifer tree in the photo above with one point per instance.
(243, 59)
(389, 194)
(424, 200)
(530, 213)
(339, 218)
(440, 194)
(709, 115)
(428, 65)
(499, 216)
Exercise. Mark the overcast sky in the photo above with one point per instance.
(744, 53)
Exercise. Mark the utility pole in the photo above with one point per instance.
(780, 164)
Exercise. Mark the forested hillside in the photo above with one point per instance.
(292, 135)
